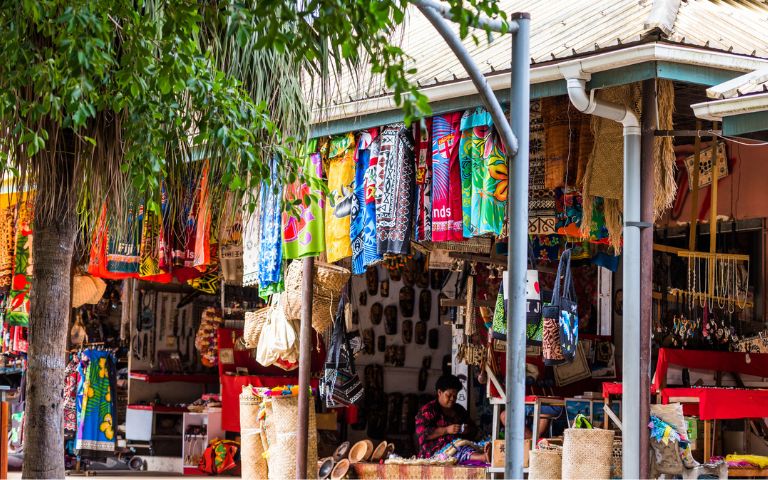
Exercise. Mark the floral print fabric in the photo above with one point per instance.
(446, 179)
(271, 240)
(363, 225)
(484, 178)
(395, 188)
(341, 176)
(304, 234)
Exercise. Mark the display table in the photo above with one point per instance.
(377, 471)
(736, 362)
(719, 404)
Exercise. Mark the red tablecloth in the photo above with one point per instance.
(723, 403)
(705, 360)
(232, 386)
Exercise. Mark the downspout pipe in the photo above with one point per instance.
(630, 404)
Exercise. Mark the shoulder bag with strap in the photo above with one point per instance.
(340, 385)
(561, 319)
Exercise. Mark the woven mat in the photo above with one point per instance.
(377, 471)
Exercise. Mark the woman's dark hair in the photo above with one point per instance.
(448, 382)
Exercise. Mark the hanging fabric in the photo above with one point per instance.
(124, 244)
(484, 179)
(270, 245)
(95, 399)
(231, 242)
(18, 305)
(395, 189)
(71, 378)
(7, 246)
(251, 240)
(341, 198)
(446, 179)
(422, 229)
(363, 223)
(304, 232)
(541, 200)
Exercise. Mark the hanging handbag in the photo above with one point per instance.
(340, 385)
(561, 320)
(532, 302)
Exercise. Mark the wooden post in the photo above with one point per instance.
(3, 439)
(695, 189)
(713, 215)
(647, 154)
(305, 365)
(707, 440)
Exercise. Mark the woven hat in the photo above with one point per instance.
(101, 287)
(83, 290)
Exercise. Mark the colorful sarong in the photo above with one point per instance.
(446, 179)
(422, 229)
(484, 177)
(341, 176)
(395, 188)
(96, 411)
(304, 232)
(271, 241)
(363, 225)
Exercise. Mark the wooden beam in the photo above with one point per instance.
(658, 247)
(695, 190)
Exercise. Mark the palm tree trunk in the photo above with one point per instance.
(52, 250)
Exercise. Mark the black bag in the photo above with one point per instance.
(561, 318)
(340, 385)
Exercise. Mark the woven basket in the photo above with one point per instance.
(254, 465)
(282, 453)
(328, 282)
(254, 323)
(616, 459)
(587, 453)
(545, 464)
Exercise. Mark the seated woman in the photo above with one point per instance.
(444, 428)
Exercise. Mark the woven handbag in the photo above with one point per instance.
(254, 323)
(328, 282)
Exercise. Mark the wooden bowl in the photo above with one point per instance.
(361, 451)
(325, 468)
(379, 452)
(340, 470)
(341, 451)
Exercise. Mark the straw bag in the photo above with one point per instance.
(328, 282)
(254, 323)
(545, 464)
(587, 453)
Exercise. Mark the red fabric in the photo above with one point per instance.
(616, 388)
(232, 386)
(706, 360)
(723, 403)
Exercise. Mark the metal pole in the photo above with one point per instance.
(493, 24)
(517, 260)
(630, 404)
(487, 96)
(305, 364)
(648, 144)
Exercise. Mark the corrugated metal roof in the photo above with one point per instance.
(562, 29)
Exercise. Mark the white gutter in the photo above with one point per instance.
(650, 52)
(576, 81)
(717, 109)
(739, 85)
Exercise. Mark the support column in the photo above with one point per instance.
(305, 364)
(648, 141)
(630, 403)
(517, 200)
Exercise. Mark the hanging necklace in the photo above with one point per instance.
(746, 288)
